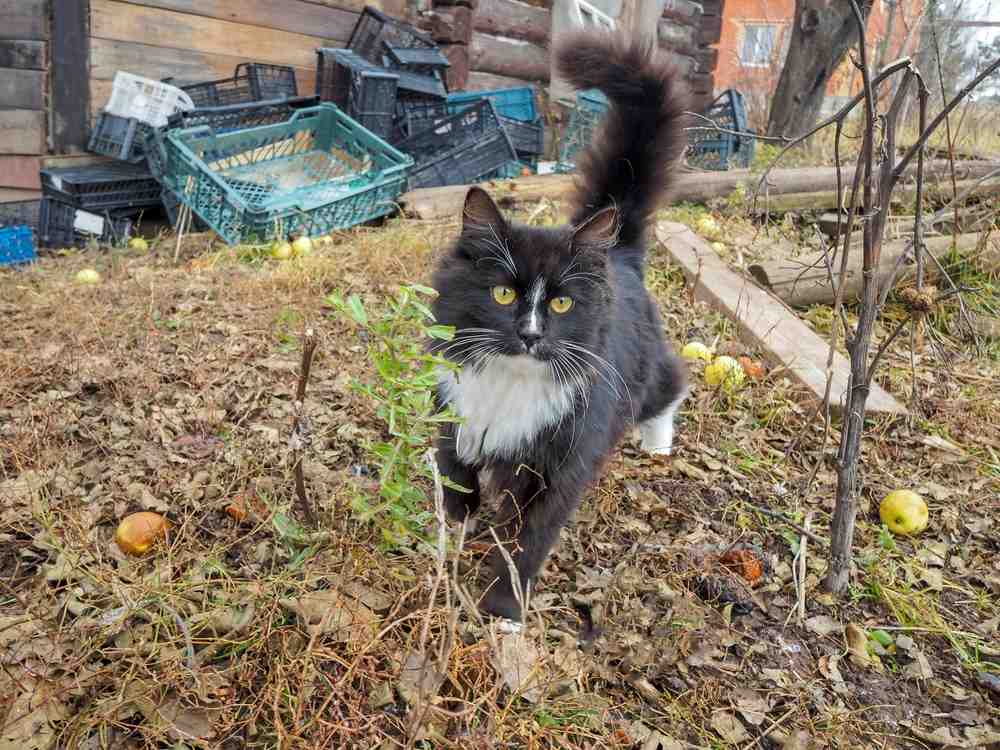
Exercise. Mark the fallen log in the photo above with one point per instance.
(762, 320)
(804, 281)
(934, 191)
(695, 187)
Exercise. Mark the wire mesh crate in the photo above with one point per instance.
(468, 126)
(517, 103)
(62, 225)
(374, 29)
(428, 62)
(420, 85)
(122, 138)
(102, 186)
(250, 82)
(711, 148)
(318, 171)
(586, 117)
(365, 91)
(14, 213)
(17, 245)
(148, 101)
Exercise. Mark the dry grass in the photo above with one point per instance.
(170, 389)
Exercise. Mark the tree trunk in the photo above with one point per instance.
(822, 33)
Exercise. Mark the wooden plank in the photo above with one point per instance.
(22, 54)
(446, 202)
(25, 19)
(125, 22)
(20, 172)
(9, 195)
(70, 100)
(22, 131)
(297, 16)
(21, 89)
(515, 58)
(512, 18)
(765, 321)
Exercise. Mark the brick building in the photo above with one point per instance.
(755, 37)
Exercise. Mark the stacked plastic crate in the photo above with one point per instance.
(391, 79)
(727, 143)
(18, 224)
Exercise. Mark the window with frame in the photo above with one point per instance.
(759, 44)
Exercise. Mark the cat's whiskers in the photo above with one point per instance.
(609, 368)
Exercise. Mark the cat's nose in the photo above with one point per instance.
(530, 335)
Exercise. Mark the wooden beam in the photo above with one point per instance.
(20, 172)
(22, 89)
(452, 25)
(22, 131)
(297, 16)
(70, 100)
(9, 195)
(512, 18)
(676, 37)
(682, 11)
(509, 57)
(24, 55)
(765, 322)
(25, 19)
(125, 22)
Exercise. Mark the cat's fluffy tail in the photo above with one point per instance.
(631, 162)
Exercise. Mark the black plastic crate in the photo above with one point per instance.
(420, 85)
(251, 82)
(366, 92)
(20, 213)
(468, 126)
(172, 206)
(416, 113)
(374, 29)
(528, 137)
(430, 62)
(465, 165)
(63, 225)
(122, 138)
(102, 186)
(156, 154)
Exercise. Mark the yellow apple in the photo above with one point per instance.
(302, 246)
(725, 371)
(88, 276)
(696, 350)
(904, 512)
(282, 250)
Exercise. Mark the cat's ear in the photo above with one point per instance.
(601, 229)
(480, 212)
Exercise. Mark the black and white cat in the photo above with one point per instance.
(562, 347)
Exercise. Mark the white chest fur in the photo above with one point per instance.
(504, 405)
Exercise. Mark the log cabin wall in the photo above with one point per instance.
(24, 34)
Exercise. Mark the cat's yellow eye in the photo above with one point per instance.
(504, 295)
(561, 305)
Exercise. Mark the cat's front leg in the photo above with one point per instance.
(532, 515)
(458, 505)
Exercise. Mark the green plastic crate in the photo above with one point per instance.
(318, 171)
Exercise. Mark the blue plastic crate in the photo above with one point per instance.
(516, 103)
(17, 245)
(318, 171)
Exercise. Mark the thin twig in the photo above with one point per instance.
(301, 437)
(788, 522)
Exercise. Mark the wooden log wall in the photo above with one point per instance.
(24, 34)
(500, 43)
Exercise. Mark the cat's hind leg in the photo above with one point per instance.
(664, 398)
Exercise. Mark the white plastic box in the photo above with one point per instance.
(149, 101)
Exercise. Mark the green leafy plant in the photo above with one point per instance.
(403, 378)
